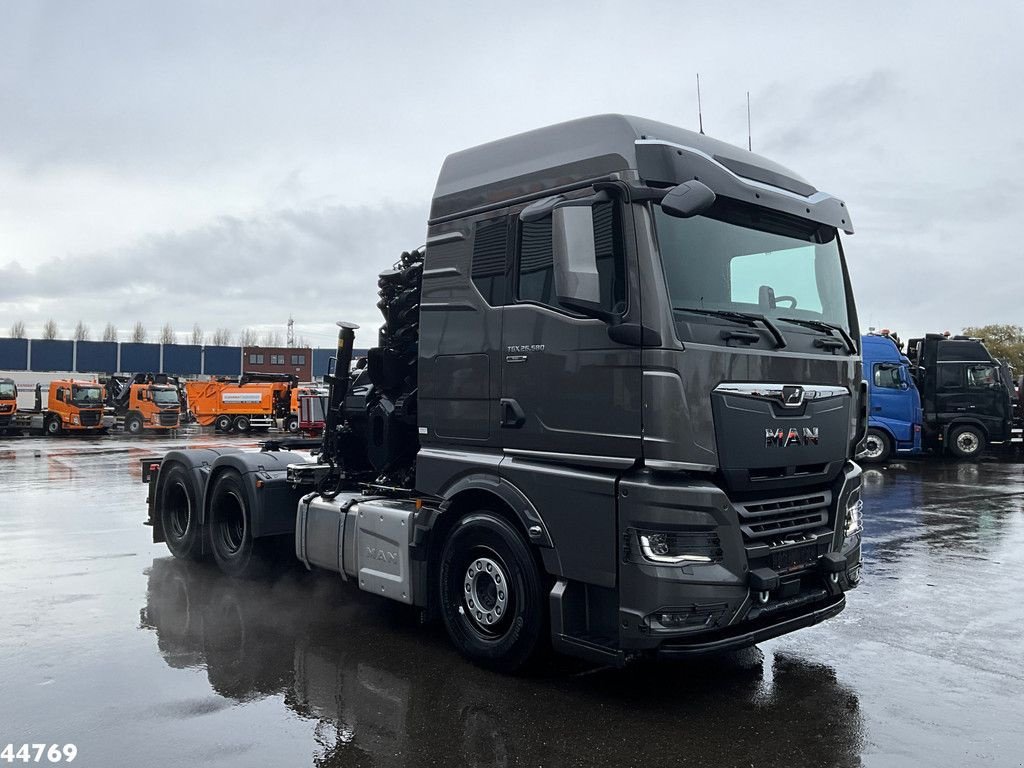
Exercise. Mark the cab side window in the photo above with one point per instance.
(536, 268)
(981, 376)
(887, 376)
(950, 376)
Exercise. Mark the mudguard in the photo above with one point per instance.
(273, 501)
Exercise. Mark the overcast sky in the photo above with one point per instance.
(231, 163)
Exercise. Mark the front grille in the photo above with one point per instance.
(776, 518)
(169, 419)
(89, 418)
(6, 408)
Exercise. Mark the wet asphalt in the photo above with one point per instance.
(108, 643)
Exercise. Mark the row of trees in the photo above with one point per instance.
(247, 337)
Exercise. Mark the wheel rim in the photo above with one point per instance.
(180, 511)
(968, 442)
(53, 428)
(873, 446)
(231, 527)
(485, 594)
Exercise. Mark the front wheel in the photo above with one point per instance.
(230, 527)
(877, 446)
(291, 424)
(967, 442)
(491, 594)
(133, 425)
(52, 426)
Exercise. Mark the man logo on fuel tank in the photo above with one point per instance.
(781, 438)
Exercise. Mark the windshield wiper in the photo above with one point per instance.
(744, 318)
(824, 327)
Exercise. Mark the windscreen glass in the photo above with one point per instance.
(740, 258)
(165, 397)
(86, 396)
(7, 391)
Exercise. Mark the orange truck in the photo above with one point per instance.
(252, 402)
(144, 401)
(72, 405)
(8, 405)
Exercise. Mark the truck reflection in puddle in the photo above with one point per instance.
(379, 686)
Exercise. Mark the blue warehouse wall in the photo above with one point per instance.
(13, 354)
(183, 359)
(223, 361)
(96, 357)
(53, 355)
(139, 358)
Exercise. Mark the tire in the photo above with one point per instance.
(237, 553)
(291, 424)
(179, 514)
(52, 426)
(241, 424)
(967, 442)
(502, 629)
(133, 425)
(222, 424)
(877, 446)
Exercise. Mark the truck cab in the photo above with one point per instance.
(75, 406)
(894, 421)
(8, 404)
(968, 406)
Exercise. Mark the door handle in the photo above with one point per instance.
(512, 414)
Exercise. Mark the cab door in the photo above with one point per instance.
(566, 387)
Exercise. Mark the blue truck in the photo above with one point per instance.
(895, 416)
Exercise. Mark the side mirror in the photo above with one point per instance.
(577, 281)
(691, 198)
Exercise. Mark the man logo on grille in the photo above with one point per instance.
(792, 396)
(781, 438)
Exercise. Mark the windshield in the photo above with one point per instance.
(86, 395)
(7, 391)
(740, 258)
(165, 397)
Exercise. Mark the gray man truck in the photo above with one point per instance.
(612, 410)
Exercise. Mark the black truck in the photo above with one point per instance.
(612, 409)
(967, 396)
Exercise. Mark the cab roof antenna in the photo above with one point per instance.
(749, 143)
(700, 116)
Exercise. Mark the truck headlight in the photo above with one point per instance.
(680, 547)
(74, 419)
(854, 514)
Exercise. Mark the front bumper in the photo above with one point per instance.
(757, 586)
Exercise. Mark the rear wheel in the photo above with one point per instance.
(52, 425)
(133, 424)
(222, 424)
(877, 446)
(491, 593)
(241, 423)
(967, 442)
(230, 527)
(179, 514)
(291, 424)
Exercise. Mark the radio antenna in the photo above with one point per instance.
(700, 116)
(749, 144)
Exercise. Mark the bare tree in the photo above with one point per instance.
(167, 335)
(221, 337)
(110, 332)
(198, 337)
(139, 333)
(247, 337)
(50, 329)
(272, 339)
(18, 330)
(81, 332)
(302, 342)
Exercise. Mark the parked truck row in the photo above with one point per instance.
(947, 395)
(612, 410)
(151, 402)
